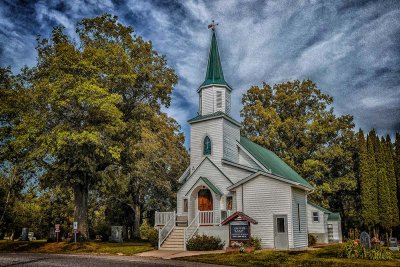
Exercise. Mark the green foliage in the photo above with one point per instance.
(149, 233)
(312, 240)
(255, 242)
(293, 119)
(355, 250)
(91, 109)
(368, 182)
(204, 243)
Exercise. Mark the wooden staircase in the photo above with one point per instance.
(175, 240)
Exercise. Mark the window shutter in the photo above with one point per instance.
(219, 99)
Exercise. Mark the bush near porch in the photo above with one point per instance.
(204, 243)
(327, 256)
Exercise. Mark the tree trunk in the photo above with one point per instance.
(81, 209)
(136, 225)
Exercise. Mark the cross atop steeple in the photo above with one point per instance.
(213, 25)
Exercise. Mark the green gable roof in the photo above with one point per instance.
(272, 162)
(332, 216)
(214, 74)
(319, 207)
(211, 186)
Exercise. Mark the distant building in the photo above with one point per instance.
(324, 224)
(228, 173)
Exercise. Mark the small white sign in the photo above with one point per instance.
(57, 228)
(75, 225)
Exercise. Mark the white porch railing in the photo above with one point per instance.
(161, 218)
(164, 232)
(190, 230)
(207, 218)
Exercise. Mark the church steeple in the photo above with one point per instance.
(214, 74)
(214, 92)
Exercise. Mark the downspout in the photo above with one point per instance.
(242, 200)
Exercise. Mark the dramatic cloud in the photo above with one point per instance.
(351, 49)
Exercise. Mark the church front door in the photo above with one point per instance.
(205, 200)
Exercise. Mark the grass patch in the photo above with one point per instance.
(326, 256)
(128, 248)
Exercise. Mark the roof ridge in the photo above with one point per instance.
(271, 161)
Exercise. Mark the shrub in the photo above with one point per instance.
(355, 250)
(254, 242)
(312, 240)
(204, 243)
(148, 233)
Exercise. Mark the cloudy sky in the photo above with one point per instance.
(351, 49)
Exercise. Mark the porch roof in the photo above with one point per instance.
(241, 215)
(209, 184)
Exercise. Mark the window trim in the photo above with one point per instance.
(187, 205)
(298, 216)
(315, 216)
(226, 202)
(207, 153)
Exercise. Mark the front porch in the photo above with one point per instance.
(205, 218)
(171, 234)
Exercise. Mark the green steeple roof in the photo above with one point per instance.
(214, 74)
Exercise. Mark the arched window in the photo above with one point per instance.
(207, 146)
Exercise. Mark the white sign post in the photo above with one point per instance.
(75, 229)
(57, 230)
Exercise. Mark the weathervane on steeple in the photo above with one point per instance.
(213, 25)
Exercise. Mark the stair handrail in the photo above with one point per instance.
(188, 232)
(164, 232)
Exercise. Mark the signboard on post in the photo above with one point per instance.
(57, 230)
(75, 229)
(239, 230)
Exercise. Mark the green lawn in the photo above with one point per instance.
(326, 256)
(128, 248)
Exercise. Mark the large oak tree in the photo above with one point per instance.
(83, 103)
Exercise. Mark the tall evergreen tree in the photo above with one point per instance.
(391, 176)
(385, 214)
(397, 166)
(367, 184)
(372, 171)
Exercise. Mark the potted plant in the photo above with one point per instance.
(235, 247)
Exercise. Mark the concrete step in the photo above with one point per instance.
(174, 248)
(176, 234)
(175, 237)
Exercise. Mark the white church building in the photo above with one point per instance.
(229, 174)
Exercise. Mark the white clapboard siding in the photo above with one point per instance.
(245, 159)
(264, 197)
(299, 203)
(209, 99)
(213, 129)
(239, 198)
(337, 230)
(235, 173)
(231, 136)
(316, 227)
(210, 171)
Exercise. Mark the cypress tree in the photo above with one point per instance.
(397, 166)
(385, 215)
(373, 187)
(391, 177)
(368, 206)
